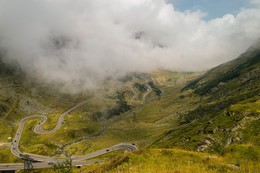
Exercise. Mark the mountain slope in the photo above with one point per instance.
(241, 70)
(217, 113)
(227, 118)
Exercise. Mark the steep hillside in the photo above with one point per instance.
(217, 113)
(214, 122)
(227, 118)
(231, 75)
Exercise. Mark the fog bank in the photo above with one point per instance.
(79, 43)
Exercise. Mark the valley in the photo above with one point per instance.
(176, 121)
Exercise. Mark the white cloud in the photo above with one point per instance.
(81, 42)
(255, 2)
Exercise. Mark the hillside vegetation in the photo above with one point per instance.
(182, 122)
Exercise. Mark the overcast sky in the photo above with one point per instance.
(79, 43)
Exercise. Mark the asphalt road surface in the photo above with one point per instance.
(135, 94)
(46, 160)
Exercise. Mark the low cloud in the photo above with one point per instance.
(77, 44)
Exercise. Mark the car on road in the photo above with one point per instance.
(78, 166)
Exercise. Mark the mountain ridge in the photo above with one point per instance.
(229, 96)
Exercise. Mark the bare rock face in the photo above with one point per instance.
(228, 141)
(206, 143)
(237, 139)
(201, 148)
(235, 128)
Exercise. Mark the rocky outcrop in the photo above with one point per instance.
(206, 143)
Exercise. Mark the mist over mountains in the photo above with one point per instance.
(77, 44)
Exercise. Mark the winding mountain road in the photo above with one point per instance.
(149, 90)
(136, 95)
(39, 130)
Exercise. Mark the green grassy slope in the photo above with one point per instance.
(216, 115)
(226, 120)
(210, 124)
(20, 97)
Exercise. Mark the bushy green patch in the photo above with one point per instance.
(244, 152)
(6, 156)
(164, 160)
(217, 148)
(252, 133)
